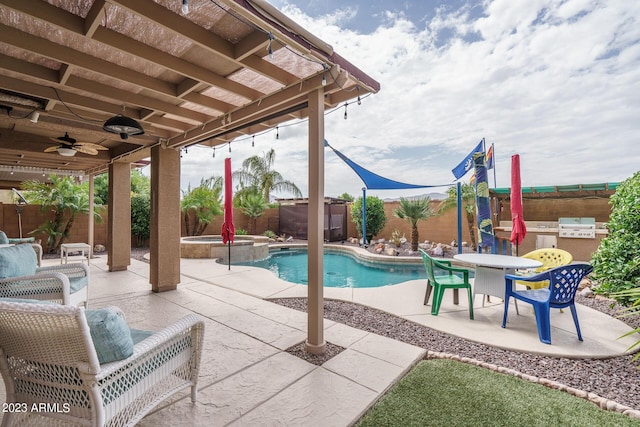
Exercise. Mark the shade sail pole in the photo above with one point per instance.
(364, 217)
(459, 204)
(315, 343)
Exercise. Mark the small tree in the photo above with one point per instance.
(413, 211)
(468, 206)
(141, 217)
(346, 196)
(616, 263)
(65, 199)
(205, 202)
(252, 205)
(375, 215)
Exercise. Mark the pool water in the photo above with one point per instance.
(341, 270)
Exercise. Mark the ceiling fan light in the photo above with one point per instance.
(33, 117)
(123, 125)
(66, 151)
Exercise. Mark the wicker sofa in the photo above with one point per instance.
(20, 277)
(49, 353)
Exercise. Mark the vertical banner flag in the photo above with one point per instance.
(466, 165)
(483, 204)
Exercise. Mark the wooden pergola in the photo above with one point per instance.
(225, 69)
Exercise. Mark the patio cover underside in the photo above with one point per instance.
(226, 69)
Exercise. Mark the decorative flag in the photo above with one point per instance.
(489, 158)
(467, 164)
(483, 204)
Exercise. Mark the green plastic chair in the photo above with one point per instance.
(450, 280)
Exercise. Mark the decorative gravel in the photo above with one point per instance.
(616, 379)
(330, 350)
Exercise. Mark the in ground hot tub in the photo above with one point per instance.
(243, 249)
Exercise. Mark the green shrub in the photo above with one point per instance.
(241, 232)
(270, 234)
(616, 263)
(375, 215)
(141, 217)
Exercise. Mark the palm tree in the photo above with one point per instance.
(205, 201)
(257, 173)
(468, 203)
(65, 199)
(412, 211)
(252, 205)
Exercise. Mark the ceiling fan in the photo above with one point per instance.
(68, 146)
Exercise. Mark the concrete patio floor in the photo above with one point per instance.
(247, 377)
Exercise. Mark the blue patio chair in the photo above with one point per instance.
(453, 278)
(563, 284)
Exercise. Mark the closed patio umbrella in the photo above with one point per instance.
(228, 230)
(518, 227)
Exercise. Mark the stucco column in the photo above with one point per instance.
(315, 336)
(91, 219)
(165, 219)
(119, 225)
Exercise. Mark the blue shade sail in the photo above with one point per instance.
(373, 181)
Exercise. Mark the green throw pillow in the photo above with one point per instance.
(110, 334)
(21, 240)
(4, 240)
(18, 260)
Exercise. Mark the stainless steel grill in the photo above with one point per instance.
(577, 228)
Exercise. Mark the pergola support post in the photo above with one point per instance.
(164, 243)
(315, 343)
(119, 225)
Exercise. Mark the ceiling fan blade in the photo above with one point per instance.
(62, 141)
(85, 150)
(90, 145)
(51, 149)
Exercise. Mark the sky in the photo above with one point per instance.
(555, 81)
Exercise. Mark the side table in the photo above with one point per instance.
(66, 248)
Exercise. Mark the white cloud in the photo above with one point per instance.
(555, 81)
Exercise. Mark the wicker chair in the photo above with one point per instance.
(47, 355)
(65, 283)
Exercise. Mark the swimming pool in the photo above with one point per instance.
(341, 269)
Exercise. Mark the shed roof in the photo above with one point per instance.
(559, 191)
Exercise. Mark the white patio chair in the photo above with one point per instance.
(47, 356)
(20, 277)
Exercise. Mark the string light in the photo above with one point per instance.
(11, 170)
(253, 140)
(345, 110)
(277, 133)
(229, 146)
(324, 80)
(214, 152)
(43, 174)
(358, 91)
(185, 7)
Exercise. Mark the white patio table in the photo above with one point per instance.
(491, 269)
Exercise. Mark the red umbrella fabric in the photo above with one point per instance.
(228, 230)
(518, 227)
